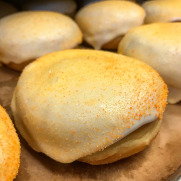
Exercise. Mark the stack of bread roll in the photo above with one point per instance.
(85, 104)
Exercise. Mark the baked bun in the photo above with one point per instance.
(158, 45)
(67, 7)
(9, 148)
(162, 11)
(6, 9)
(28, 35)
(86, 101)
(101, 22)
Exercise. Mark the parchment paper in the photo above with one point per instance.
(157, 162)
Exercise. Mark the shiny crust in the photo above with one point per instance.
(158, 45)
(103, 21)
(162, 11)
(73, 103)
(25, 36)
(9, 148)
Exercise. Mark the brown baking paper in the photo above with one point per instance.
(157, 162)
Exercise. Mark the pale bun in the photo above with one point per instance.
(103, 21)
(28, 35)
(75, 103)
(9, 148)
(159, 46)
(162, 11)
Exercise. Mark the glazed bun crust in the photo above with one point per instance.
(162, 11)
(9, 148)
(73, 103)
(103, 21)
(158, 45)
(28, 35)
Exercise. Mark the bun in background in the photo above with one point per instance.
(9, 148)
(162, 11)
(28, 35)
(159, 46)
(104, 21)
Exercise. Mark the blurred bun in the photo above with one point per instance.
(87, 101)
(28, 35)
(101, 22)
(159, 46)
(162, 11)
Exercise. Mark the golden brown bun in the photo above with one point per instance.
(9, 148)
(159, 46)
(103, 21)
(74, 103)
(67, 7)
(162, 11)
(28, 35)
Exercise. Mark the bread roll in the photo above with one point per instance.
(162, 11)
(159, 46)
(28, 35)
(9, 148)
(6, 9)
(86, 101)
(102, 22)
(67, 7)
